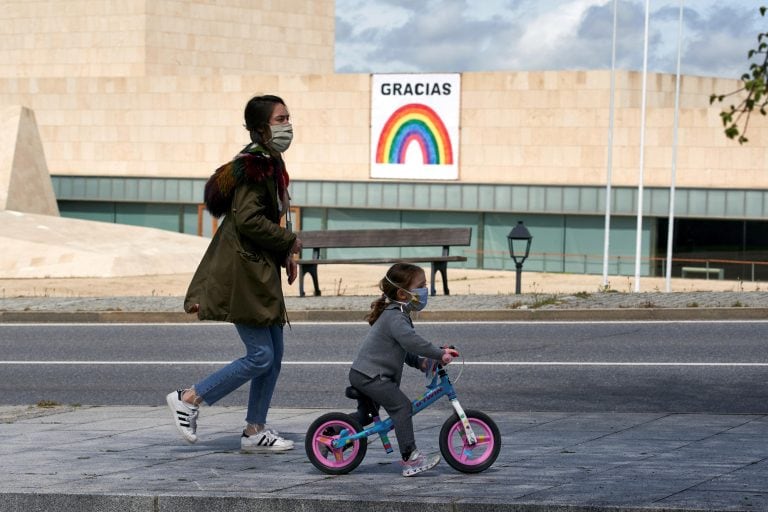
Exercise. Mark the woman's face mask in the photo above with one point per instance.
(282, 135)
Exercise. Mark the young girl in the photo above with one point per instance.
(391, 342)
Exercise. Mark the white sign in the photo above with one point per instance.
(415, 126)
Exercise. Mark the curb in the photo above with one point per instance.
(339, 503)
(505, 315)
(95, 317)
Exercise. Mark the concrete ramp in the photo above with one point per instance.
(25, 184)
(38, 243)
(36, 246)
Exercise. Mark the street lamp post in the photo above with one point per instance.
(519, 247)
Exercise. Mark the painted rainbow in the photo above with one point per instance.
(417, 123)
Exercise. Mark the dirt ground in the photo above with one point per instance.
(338, 280)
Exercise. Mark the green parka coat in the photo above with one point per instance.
(238, 279)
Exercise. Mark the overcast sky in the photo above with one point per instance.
(387, 36)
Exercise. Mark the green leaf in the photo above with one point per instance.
(762, 11)
(731, 132)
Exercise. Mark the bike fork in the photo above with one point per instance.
(468, 432)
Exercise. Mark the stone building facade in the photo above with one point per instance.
(138, 101)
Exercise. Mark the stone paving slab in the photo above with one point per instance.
(131, 458)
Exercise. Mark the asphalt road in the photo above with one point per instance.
(714, 367)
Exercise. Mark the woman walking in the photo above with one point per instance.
(238, 279)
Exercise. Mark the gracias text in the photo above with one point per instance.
(417, 89)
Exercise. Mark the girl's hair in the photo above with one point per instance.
(258, 112)
(400, 275)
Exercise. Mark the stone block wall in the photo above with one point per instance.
(103, 38)
(72, 38)
(516, 127)
(157, 88)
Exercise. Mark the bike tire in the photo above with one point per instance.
(322, 431)
(459, 454)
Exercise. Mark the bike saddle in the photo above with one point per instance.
(354, 393)
(365, 406)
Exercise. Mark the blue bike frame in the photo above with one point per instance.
(435, 390)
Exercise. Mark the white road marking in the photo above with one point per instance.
(349, 363)
(363, 324)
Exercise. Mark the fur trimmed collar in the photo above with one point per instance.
(252, 164)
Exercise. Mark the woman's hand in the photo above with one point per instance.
(194, 308)
(291, 269)
(297, 246)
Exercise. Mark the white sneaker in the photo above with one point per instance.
(418, 463)
(265, 441)
(184, 415)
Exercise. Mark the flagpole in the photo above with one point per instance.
(671, 226)
(607, 234)
(639, 238)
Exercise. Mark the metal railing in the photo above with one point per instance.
(705, 268)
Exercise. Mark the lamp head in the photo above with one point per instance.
(519, 240)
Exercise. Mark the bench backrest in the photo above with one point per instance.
(415, 237)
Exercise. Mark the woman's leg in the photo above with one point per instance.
(257, 361)
(263, 386)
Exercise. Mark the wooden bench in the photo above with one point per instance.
(359, 238)
(703, 270)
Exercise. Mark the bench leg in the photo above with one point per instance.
(442, 268)
(310, 269)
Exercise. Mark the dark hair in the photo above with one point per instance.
(399, 275)
(258, 112)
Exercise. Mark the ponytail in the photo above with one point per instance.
(377, 308)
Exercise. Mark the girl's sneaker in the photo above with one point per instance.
(265, 441)
(184, 415)
(418, 463)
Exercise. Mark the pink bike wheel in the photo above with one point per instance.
(463, 456)
(318, 444)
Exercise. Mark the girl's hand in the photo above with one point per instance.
(449, 354)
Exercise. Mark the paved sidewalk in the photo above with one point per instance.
(131, 458)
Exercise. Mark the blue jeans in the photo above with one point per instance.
(260, 365)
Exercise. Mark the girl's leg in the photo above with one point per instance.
(258, 360)
(263, 386)
(387, 394)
